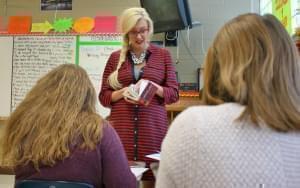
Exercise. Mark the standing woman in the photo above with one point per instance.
(141, 128)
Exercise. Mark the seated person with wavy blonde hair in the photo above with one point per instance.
(247, 133)
(56, 134)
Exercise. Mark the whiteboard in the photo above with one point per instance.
(24, 59)
(6, 51)
(93, 55)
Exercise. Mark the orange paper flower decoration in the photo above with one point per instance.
(84, 25)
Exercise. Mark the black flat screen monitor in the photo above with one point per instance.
(168, 15)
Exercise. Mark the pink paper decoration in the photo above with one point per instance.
(105, 24)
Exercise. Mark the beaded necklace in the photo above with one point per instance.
(139, 60)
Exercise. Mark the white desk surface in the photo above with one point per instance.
(7, 181)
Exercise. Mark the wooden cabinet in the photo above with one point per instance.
(183, 103)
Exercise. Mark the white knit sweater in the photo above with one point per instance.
(206, 148)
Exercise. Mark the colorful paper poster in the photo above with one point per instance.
(84, 25)
(63, 25)
(19, 24)
(282, 10)
(105, 24)
(41, 27)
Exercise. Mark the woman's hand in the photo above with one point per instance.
(130, 100)
(127, 99)
(118, 94)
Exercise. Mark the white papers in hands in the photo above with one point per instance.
(133, 92)
(155, 156)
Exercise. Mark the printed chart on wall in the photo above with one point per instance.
(92, 54)
(33, 57)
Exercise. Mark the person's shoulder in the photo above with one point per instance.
(155, 49)
(208, 115)
(116, 53)
(201, 124)
(107, 128)
(109, 135)
(204, 110)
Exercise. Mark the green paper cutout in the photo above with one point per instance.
(62, 25)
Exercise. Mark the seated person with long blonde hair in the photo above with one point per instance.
(247, 133)
(56, 134)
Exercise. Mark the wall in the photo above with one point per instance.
(1, 134)
(210, 13)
